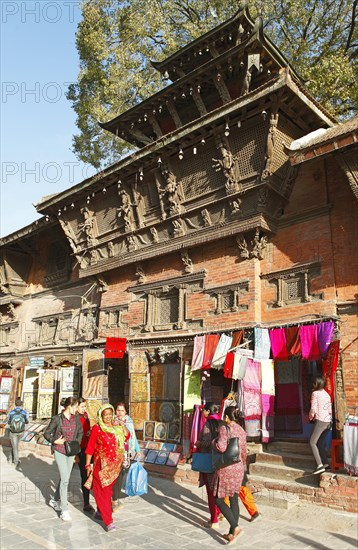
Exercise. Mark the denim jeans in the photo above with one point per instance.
(65, 465)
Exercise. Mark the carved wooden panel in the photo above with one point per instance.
(198, 176)
(249, 141)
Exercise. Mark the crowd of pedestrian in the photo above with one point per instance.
(104, 454)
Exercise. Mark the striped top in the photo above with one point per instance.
(321, 406)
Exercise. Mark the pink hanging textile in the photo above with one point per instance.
(198, 353)
(324, 336)
(278, 343)
(267, 398)
(211, 342)
(187, 423)
(195, 428)
(309, 342)
(252, 390)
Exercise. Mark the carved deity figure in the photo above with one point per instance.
(125, 210)
(206, 217)
(154, 233)
(172, 194)
(259, 245)
(188, 264)
(11, 311)
(270, 144)
(235, 206)
(140, 273)
(242, 244)
(87, 226)
(110, 247)
(131, 244)
(229, 165)
(179, 228)
(67, 229)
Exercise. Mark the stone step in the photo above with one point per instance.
(275, 490)
(299, 447)
(278, 471)
(287, 459)
(276, 498)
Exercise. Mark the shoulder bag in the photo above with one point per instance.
(230, 456)
(72, 448)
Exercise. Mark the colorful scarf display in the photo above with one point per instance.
(324, 336)
(211, 342)
(262, 343)
(278, 343)
(293, 342)
(222, 348)
(198, 352)
(329, 367)
(252, 390)
(309, 342)
(267, 398)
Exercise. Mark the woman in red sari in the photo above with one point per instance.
(106, 445)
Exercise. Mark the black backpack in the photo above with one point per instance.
(17, 422)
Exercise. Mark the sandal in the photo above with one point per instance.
(236, 534)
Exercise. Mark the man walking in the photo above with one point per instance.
(17, 418)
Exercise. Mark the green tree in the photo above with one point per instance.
(117, 40)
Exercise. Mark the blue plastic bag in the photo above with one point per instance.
(137, 481)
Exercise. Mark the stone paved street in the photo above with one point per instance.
(170, 516)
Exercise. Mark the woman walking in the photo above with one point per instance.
(131, 448)
(227, 481)
(63, 427)
(209, 432)
(106, 446)
(81, 411)
(321, 414)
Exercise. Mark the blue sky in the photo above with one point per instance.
(38, 60)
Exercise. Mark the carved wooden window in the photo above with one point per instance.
(165, 302)
(58, 264)
(7, 332)
(165, 309)
(54, 329)
(293, 285)
(229, 297)
(169, 308)
(113, 317)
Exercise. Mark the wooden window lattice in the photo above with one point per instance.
(169, 309)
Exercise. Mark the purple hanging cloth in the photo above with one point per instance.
(278, 344)
(309, 342)
(324, 336)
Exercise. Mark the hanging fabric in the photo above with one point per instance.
(240, 364)
(211, 342)
(252, 398)
(329, 367)
(278, 343)
(293, 342)
(222, 348)
(198, 352)
(237, 338)
(324, 336)
(229, 363)
(309, 342)
(115, 348)
(195, 428)
(267, 399)
(262, 343)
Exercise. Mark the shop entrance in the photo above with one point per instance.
(118, 380)
(293, 384)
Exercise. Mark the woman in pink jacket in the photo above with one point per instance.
(321, 414)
